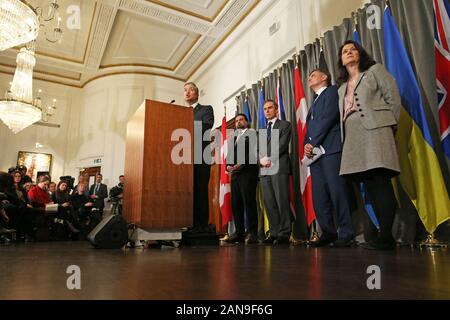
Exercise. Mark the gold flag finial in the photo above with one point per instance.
(355, 18)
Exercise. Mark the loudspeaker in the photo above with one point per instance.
(110, 233)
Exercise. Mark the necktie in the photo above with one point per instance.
(96, 188)
(315, 97)
(269, 130)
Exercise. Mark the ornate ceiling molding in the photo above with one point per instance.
(210, 34)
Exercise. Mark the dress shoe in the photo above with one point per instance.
(269, 241)
(251, 239)
(6, 231)
(342, 243)
(377, 245)
(225, 238)
(4, 239)
(235, 239)
(282, 241)
(323, 242)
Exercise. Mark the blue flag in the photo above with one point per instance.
(399, 65)
(356, 36)
(421, 175)
(262, 121)
(282, 113)
(247, 113)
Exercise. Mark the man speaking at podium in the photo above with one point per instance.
(204, 117)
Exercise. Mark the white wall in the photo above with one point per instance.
(52, 139)
(93, 123)
(250, 50)
(93, 119)
(103, 111)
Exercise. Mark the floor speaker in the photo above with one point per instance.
(110, 233)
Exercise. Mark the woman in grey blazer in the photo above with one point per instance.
(369, 104)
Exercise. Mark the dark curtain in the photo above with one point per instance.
(415, 20)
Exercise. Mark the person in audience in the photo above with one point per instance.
(20, 190)
(4, 220)
(27, 187)
(369, 104)
(83, 206)
(23, 171)
(20, 216)
(98, 193)
(39, 198)
(83, 181)
(116, 196)
(51, 189)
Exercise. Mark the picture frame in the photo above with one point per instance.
(36, 163)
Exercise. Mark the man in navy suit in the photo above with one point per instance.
(330, 191)
(203, 116)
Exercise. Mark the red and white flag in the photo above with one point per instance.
(305, 175)
(442, 49)
(225, 185)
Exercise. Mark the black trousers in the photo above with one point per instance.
(202, 173)
(381, 195)
(243, 198)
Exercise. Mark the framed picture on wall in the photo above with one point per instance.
(35, 162)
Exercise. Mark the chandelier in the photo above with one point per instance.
(51, 21)
(19, 24)
(18, 110)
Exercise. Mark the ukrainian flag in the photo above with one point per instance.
(421, 175)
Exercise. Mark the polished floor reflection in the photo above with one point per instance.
(38, 271)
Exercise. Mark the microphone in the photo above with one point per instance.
(173, 101)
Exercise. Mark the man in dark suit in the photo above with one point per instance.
(98, 193)
(330, 191)
(203, 121)
(242, 163)
(274, 173)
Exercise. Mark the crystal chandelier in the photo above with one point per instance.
(18, 110)
(19, 24)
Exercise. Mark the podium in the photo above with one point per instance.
(158, 194)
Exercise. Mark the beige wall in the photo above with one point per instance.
(93, 119)
(251, 53)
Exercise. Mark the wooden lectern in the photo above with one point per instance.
(158, 193)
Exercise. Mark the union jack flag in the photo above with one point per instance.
(442, 49)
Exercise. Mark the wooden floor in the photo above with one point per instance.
(38, 271)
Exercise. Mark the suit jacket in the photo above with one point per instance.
(102, 193)
(323, 126)
(244, 152)
(377, 99)
(205, 114)
(378, 106)
(281, 164)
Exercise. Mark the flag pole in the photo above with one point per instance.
(355, 18)
(432, 242)
(226, 236)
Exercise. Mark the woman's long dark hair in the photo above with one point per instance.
(61, 196)
(365, 61)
